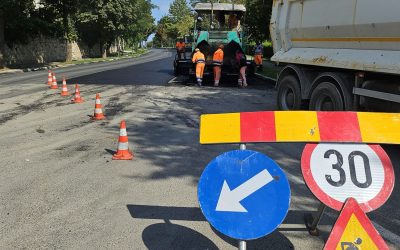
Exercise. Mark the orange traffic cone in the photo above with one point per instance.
(49, 78)
(77, 96)
(123, 152)
(98, 112)
(64, 89)
(54, 83)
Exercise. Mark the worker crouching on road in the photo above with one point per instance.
(258, 53)
(199, 60)
(242, 63)
(218, 59)
(180, 49)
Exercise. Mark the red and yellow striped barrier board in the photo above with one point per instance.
(300, 126)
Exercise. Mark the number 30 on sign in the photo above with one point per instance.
(335, 172)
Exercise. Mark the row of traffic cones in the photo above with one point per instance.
(123, 152)
(52, 82)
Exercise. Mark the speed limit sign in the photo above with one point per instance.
(335, 172)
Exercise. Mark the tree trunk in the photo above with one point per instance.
(67, 30)
(2, 40)
(68, 57)
(103, 50)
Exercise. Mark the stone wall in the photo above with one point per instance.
(37, 51)
(44, 50)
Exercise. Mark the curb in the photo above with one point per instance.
(11, 71)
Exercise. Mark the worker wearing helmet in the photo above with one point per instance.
(199, 60)
(258, 53)
(218, 59)
(180, 49)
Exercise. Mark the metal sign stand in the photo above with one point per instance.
(242, 243)
(312, 222)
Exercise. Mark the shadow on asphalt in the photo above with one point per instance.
(153, 73)
(172, 236)
(194, 214)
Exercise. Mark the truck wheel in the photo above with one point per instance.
(289, 94)
(326, 97)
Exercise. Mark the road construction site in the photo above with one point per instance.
(60, 188)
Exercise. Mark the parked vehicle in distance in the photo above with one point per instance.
(337, 55)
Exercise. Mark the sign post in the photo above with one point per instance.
(242, 243)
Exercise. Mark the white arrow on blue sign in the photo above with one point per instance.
(244, 194)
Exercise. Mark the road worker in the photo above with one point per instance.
(180, 49)
(242, 64)
(258, 53)
(199, 60)
(218, 59)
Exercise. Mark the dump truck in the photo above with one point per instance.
(215, 24)
(337, 55)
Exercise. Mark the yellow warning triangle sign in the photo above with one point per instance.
(354, 231)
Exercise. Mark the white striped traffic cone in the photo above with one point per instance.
(54, 83)
(64, 89)
(77, 96)
(123, 152)
(49, 78)
(98, 112)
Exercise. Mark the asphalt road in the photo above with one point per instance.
(59, 188)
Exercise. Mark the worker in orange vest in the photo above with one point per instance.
(199, 60)
(258, 53)
(218, 59)
(180, 49)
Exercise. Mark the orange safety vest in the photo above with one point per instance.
(198, 57)
(218, 57)
(180, 45)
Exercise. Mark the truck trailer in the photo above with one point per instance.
(337, 54)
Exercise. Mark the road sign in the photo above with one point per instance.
(244, 194)
(300, 126)
(353, 230)
(335, 172)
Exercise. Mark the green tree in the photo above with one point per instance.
(17, 21)
(103, 21)
(258, 21)
(162, 34)
(138, 30)
(64, 12)
(181, 17)
(177, 23)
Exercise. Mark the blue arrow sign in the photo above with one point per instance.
(244, 194)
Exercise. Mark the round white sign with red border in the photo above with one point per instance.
(335, 172)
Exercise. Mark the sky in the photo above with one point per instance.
(163, 8)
